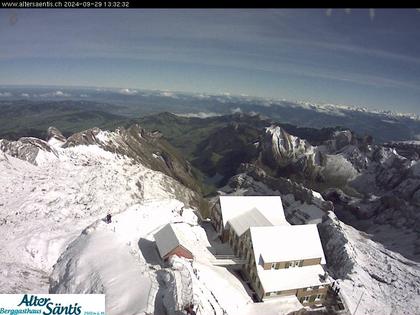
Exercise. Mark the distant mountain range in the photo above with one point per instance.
(73, 109)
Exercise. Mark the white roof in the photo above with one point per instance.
(244, 221)
(270, 207)
(291, 278)
(286, 243)
(168, 238)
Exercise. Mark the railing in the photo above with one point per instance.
(225, 256)
(228, 260)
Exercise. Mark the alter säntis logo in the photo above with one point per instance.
(52, 304)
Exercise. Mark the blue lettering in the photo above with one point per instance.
(48, 306)
(25, 301)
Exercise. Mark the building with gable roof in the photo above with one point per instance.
(281, 259)
(171, 241)
(230, 207)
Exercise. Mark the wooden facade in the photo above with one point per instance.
(180, 251)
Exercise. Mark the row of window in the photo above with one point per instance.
(240, 245)
(311, 298)
(314, 288)
(304, 299)
(273, 293)
(289, 264)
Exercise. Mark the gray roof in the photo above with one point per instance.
(248, 219)
(168, 238)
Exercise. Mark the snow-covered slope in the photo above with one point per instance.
(384, 282)
(142, 146)
(121, 259)
(44, 206)
(54, 238)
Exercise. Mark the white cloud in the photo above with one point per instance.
(5, 94)
(168, 94)
(202, 96)
(127, 92)
(55, 94)
(24, 95)
(60, 94)
(236, 110)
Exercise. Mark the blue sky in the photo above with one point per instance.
(355, 57)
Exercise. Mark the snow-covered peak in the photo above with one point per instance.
(287, 146)
(54, 137)
(29, 149)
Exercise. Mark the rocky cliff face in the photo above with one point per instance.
(283, 148)
(143, 147)
(371, 186)
(293, 157)
(53, 134)
(26, 148)
(283, 185)
(147, 148)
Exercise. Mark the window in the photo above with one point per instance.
(319, 297)
(305, 299)
(293, 264)
(278, 292)
(273, 265)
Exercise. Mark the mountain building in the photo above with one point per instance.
(171, 241)
(281, 259)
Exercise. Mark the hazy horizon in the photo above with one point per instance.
(359, 57)
(133, 91)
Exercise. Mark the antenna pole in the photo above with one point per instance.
(358, 303)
